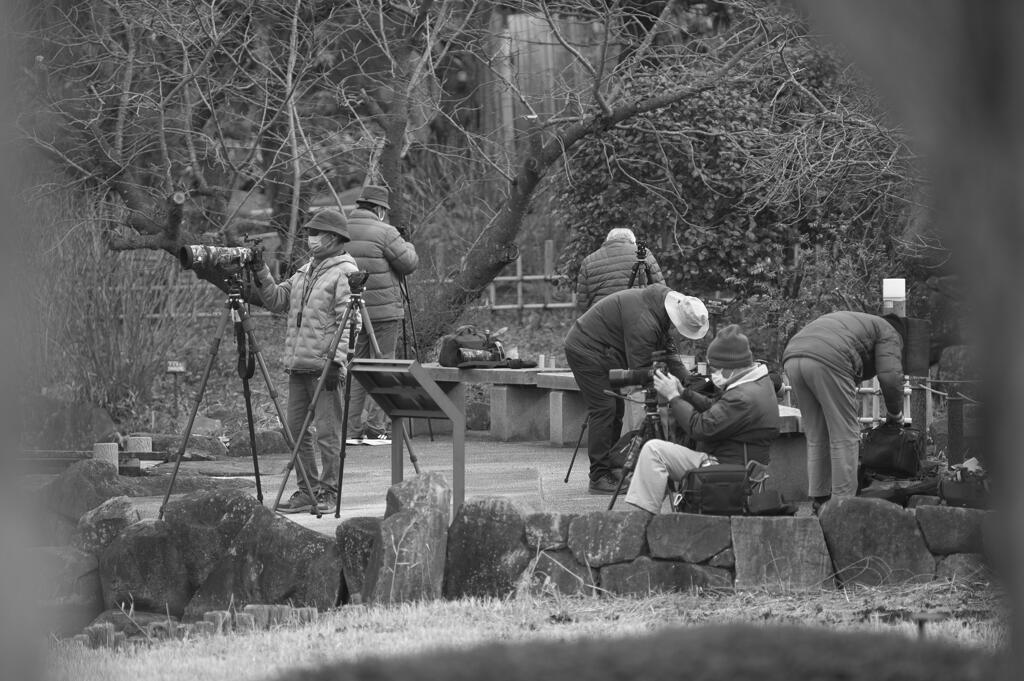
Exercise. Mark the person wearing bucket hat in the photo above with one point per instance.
(736, 427)
(623, 331)
(381, 250)
(315, 299)
(824, 362)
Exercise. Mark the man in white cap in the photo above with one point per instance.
(609, 269)
(623, 331)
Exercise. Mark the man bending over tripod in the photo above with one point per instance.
(737, 426)
(315, 298)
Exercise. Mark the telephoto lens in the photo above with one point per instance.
(229, 259)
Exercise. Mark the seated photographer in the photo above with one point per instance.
(624, 331)
(737, 426)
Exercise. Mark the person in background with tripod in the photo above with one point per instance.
(315, 298)
(735, 427)
(382, 251)
(619, 263)
(623, 331)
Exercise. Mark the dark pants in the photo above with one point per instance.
(604, 413)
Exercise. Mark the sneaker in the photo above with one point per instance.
(372, 436)
(606, 484)
(326, 500)
(299, 502)
(355, 438)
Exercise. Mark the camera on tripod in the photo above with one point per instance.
(620, 378)
(227, 259)
(357, 281)
(641, 249)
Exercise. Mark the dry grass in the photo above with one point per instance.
(974, 618)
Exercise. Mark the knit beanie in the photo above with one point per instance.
(730, 349)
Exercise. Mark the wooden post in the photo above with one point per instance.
(549, 269)
(519, 286)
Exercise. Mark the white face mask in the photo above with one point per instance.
(719, 379)
(315, 241)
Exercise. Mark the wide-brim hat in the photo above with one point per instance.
(330, 220)
(688, 315)
(375, 194)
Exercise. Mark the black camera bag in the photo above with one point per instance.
(891, 449)
(966, 491)
(470, 347)
(719, 489)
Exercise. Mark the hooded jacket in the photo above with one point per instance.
(738, 426)
(857, 345)
(381, 251)
(608, 269)
(315, 298)
(626, 327)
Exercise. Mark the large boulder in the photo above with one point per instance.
(67, 588)
(424, 491)
(559, 571)
(407, 561)
(101, 525)
(143, 568)
(486, 549)
(548, 531)
(688, 536)
(604, 537)
(267, 442)
(645, 575)
(204, 524)
(780, 554)
(874, 542)
(948, 529)
(271, 560)
(84, 486)
(355, 537)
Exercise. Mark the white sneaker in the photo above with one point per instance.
(373, 438)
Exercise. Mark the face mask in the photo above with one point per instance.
(315, 241)
(719, 379)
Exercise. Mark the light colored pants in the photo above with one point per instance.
(327, 420)
(828, 412)
(362, 411)
(659, 461)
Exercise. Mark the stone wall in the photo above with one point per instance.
(221, 549)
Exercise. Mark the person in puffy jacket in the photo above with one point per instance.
(608, 269)
(825, 361)
(315, 298)
(380, 250)
(623, 331)
(736, 427)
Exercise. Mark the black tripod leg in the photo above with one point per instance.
(634, 451)
(252, 438)
(579, 441)
(214, 347)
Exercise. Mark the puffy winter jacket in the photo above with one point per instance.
(315, 298)
(608, 269)
(858, 345)
(382, 252)
(628, 327)
(741, 423)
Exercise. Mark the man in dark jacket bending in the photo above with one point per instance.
(736, 427)
(609, 269)
(380, 250)
(824, 361)
(622, 332)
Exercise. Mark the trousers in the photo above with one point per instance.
(327, 421)
(604, 413)
(363, 411)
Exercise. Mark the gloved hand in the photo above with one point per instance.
(333, 374)
(667, 385)
(256, 263)
(894, 419)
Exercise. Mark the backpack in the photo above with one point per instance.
(470, 347)
(892, 449)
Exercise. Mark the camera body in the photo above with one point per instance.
(228, 259)
(620, 378)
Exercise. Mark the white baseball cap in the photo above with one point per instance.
(688, 315)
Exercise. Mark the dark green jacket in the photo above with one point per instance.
(858, 345)
(626, 327)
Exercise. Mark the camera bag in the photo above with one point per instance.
(891, 449)
(470, 347)
(718, 489)
(966, 490)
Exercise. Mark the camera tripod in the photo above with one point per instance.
(650, 429)
(641, 261)
(356, 306)
(249, 355)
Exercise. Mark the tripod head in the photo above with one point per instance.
(357, 282)
(641, 249)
